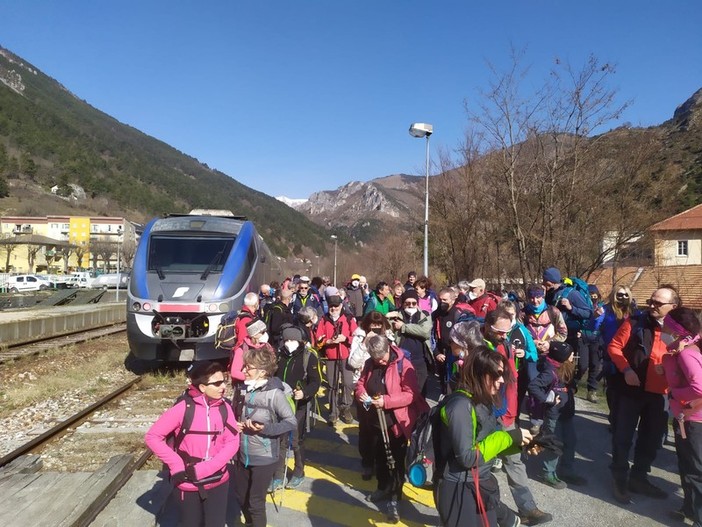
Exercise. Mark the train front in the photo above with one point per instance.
(187, 272)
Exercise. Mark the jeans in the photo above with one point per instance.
(565, 431)
(689, 453)
(590, 359)
(646, 410)
(518, 480)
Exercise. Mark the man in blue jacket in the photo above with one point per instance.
(576, 309)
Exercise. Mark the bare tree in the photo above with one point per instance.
(9, 248)
(32, 251)
(103, 250)
(80, 252)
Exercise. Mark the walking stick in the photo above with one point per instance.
(334, 391)
(285, 470)
(386, 439)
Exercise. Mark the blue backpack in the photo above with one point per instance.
(580, 285)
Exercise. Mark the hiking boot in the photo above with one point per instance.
(332, 421)
(276, 484)
(571, 478)
(552, 481)
(367, 473)
(496, 465)
(295, 482)
(592, 396)
(621, 493)
(346, 416)
(378, 495)
(535, 517)
(645, 487)
(393, 512)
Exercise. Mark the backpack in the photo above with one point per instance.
(579, 285)
(225, 337)
(421, 459)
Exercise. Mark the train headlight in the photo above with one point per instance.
(136, 306)
(147, 306)
(212, 307)
(224, 308)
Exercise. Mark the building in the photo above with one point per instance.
(677, 261)
(27, 243)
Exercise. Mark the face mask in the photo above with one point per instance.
(291, 345)
(354, 283)
(443, 306)
(334, 316)
(472, 295)
(514, 322)
(411, 310)
(252, 384)
(264, 338)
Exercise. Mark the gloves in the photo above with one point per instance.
(547, 441)
(190, 472)
(178, 478)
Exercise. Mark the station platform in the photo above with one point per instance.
(28, 325)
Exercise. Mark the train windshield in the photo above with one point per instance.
(185, 254)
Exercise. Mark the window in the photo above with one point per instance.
(682, 248)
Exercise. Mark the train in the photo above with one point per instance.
(189, 270)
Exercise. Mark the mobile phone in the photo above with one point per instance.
(257, 423)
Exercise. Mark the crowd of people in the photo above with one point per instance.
(508, 367)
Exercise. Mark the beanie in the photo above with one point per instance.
(256, 327)
(559, 351)
(552, 274)
(410, 293)
(292, 333)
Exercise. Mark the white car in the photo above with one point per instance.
(111, 281)
(26, 282)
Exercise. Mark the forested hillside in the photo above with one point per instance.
(50, 137)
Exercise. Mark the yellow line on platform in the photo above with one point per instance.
(335, 511)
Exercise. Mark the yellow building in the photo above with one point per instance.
(81, 242)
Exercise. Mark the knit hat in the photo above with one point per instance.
(593, 289)
(292, 333)
(559, 351)
(334, 301)
(552, 274)
(462, 332)
(256, 327)
(535, 291)
(331, 291)
(410, 293)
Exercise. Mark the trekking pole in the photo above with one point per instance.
(334, 390)
(285, 470)
(386, 439)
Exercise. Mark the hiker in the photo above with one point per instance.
(198, 461)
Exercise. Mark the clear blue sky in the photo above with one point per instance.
(290, 97)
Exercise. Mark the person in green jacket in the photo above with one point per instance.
(380, 300)
(468, 440)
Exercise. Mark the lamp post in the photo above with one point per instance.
(424, 130)
(119, 233)
(334, 237)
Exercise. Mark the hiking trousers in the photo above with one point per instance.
(689, 453)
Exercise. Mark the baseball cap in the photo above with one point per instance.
(478, 282)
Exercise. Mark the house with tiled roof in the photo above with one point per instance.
(677, 245)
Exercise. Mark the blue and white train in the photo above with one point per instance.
(188, 271)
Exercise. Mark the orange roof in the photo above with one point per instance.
(687, 279)
(691, 219)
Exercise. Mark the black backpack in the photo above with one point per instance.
(225, 338)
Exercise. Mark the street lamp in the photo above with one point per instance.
(119, 233)
(424, 130)
(334, 237)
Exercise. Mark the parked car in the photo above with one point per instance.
(54, 281)
(111, 281)
(26, 282)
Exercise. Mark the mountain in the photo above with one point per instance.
(364, 210)
(49, 137)
(291, 202)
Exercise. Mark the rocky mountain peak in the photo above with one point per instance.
(689, 114)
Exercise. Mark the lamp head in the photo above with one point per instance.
(421, 130)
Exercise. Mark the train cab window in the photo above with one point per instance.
(188, 254)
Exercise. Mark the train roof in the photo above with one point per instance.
(188, 223)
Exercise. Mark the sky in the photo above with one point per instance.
(292, 97)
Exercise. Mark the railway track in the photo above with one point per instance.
(67, 423)
(40, 346)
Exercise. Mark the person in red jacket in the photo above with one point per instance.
(636, 350)
(198, 464)
(247, 314)
(389, 390)
(334, 333)
(480, 300)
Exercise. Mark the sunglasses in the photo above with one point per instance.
(499, 331)
(215, 383)
(622, 295)
(498, 375)
(655, 303)
(410, 304)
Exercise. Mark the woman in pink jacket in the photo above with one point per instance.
(256, 337)
(683, 371)
(389, 391)
(198, 459)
